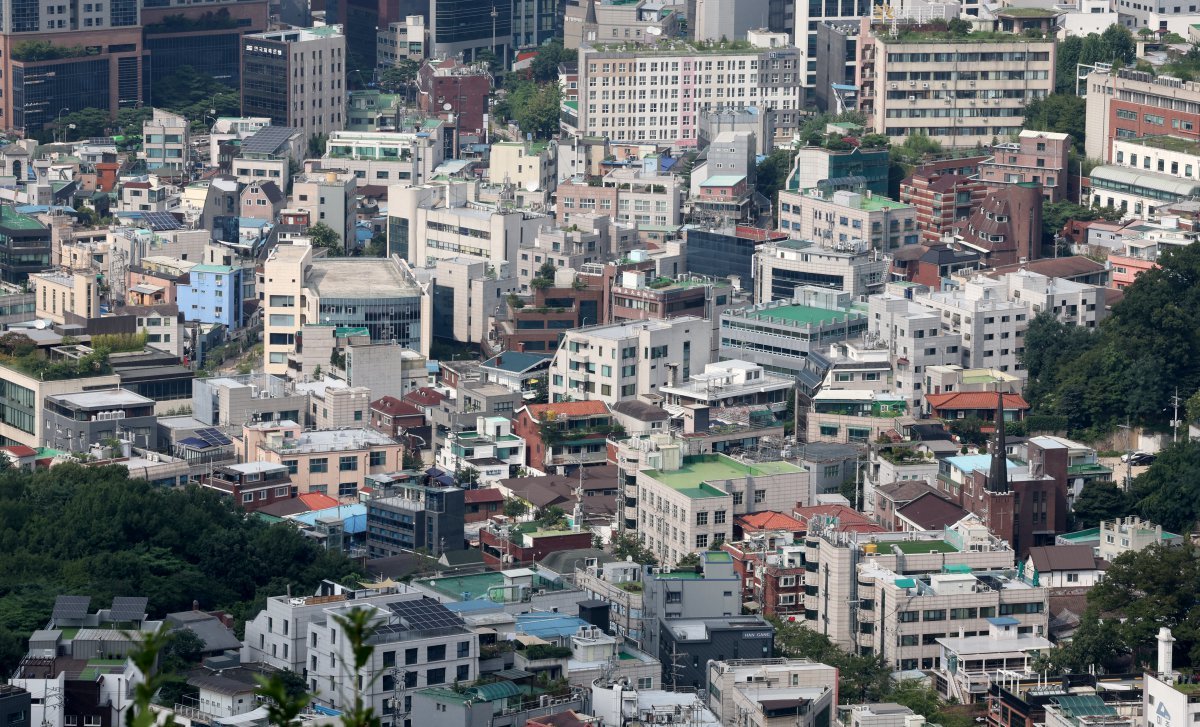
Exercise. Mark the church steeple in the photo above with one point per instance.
(998, 480)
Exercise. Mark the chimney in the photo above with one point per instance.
(1166, 644)
(998, 480)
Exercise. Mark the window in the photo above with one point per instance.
(702, 541)
(389, 658)
(410, 657)
(1072, 578)
(719, 517)
(378, 459)
(963, 613)
(906, 617)
(702, 518)
(760, 496)
(787, 581)
(436, 653)
(319, 464)
(291, 465)
(435, 676)
(348, 464)
(464, 649)
(347, 489)
(462, 673)
(909, 640)
(645, 682)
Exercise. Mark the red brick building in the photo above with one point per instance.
(930, 264)
(1007, 227)
(942, 199)
(481, 504)
(527, 545)
(253, 485)
(393, 417)
(451, 89)
(1036, 157)
(581, 429)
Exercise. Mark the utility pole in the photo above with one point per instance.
(1175, 416)
(494, 16)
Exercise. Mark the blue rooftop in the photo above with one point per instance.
(514, 361)
(354, 517)
(549, 625)
(972, 462)
(1003, 621)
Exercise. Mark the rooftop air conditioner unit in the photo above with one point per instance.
(924, 85)
(912, 99)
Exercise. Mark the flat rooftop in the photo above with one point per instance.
(803, 315)
(328, 440)
(103, 399)
(1167, 143)
(917, 547)
(359, 278)
(693, 476)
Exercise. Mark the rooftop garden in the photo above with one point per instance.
(18, 351)
(41, 50)
(219, 20)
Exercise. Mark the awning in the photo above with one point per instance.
(751, 605)
(146, 289)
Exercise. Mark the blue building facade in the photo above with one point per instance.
(213, 294)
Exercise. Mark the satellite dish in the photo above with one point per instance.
(40, 325)
(447, 106)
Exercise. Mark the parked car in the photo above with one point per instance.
(1138, 458)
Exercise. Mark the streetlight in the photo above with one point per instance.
(58, 120)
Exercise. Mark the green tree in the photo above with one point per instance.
(324, 236)
(1100, 501)
(413, 460)
(861, 678)
(515, 508)
(1095, 644)
(535, 108)
(1061, 113)
(1152, 588)
(687, 562)
(377, 247)
(549, 57)
(1168, 493)
(773, 172)
(400, 77)
(626, 546)
(316, 144)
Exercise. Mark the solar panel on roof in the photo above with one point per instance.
(267, 140)
(161, 221)
(424, 614)
(128, 608)
(212, 437)
(70, 607)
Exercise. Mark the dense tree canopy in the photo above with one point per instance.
(95, 532)
(1169, 492)
(1132, 365)
(1059, 112)
(1115, 45)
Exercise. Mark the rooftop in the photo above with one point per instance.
(329, 440)
(103, 399)
(803, 315)
(941, 37)
(694, 475)
(1167, 143)
(916, 547)
(359, 278)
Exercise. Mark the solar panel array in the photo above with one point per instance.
(161, 221)
(212, 437)
(425, 614)
(70, 607)
(125, 608)
(267, 140)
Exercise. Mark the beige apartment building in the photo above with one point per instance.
(334, 462)
(687, 504)
(635, 92)
(838, 219)
(57, 293)
(958, 92)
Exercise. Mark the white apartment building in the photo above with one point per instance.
(746, 691)
(687, 504)
(1147, 173)
(404, 40)
(840, 218)
(852, 267)
(278, 635)
(956, 92)
(444, 221)
(306, 66)
(639, 92)
(418, 643)
(914, 336)
(379, 295)
(385, 158)
(1072, 303)
(843, 598)
(166, 143)
(492, 450)
(992, 326)
(729, 384)
(616, 362)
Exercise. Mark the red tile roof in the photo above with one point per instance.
(849, 519)
(973, 400)
(424, 396)
(392, 406)
(487, 494)
(20, 450)
(770, 521)
(568, 408)
(318, 501)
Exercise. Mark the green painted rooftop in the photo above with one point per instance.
(915, 547)
(800, 314)
(693, 476)
(16, 221)
(1089, 534)
(476, 585)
